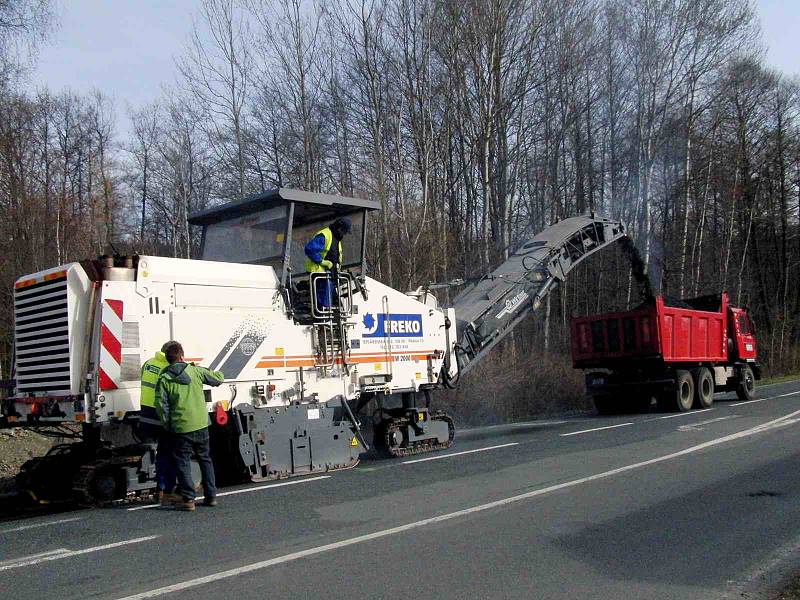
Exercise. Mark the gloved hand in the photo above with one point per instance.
(326, 264)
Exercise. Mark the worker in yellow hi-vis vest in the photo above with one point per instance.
(150, 428)
(324, 253)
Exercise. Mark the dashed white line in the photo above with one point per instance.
(36, 559)
(13, 562)
(697, 426)
(419, 460)
(257, 488)
(762, 399)
(596, 429)
(779, 383)
(684, 414)
(749, 401)
(256, 566)
(37, 525)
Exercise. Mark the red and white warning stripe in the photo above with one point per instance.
(111, 344)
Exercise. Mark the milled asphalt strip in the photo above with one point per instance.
(37, 525)
(595, 429)
(192, 583)
(36, 559)
(419, 460)
(246, 490)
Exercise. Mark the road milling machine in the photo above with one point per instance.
(298, 375)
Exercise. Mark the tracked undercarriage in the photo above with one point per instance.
(415, 432)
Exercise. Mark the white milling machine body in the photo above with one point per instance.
(292, 368)
(297, 375)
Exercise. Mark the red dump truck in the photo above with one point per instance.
(680, 352)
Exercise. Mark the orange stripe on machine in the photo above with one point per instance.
(23, 284)
(279, 362)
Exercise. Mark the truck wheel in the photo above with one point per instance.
(703, 388)
(684, 391)
(746, 388)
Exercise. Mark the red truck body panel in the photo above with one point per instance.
(668, 333)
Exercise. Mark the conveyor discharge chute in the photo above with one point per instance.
(489, 309)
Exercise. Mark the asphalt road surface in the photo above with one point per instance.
(704, 504)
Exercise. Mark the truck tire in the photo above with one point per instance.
(746, 388)
(703, 388)
(683, 396)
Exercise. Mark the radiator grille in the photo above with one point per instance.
(41, 329)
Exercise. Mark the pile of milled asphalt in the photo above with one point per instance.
(18, 444)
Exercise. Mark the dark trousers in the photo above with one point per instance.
(165, 463)
(166, 475)
(184, 445)
(326, 291)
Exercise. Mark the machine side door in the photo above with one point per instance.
(744, 334)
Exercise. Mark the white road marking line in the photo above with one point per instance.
(762, 399)
(257, 488)
(66, 553)
(781, 424)
(419, 460)
(14, 561)
(749, 401)
(536, 423)
(780, 383)
(684, 414)
(213, 577)
(595, 429)
(37, 525)
(697, 426)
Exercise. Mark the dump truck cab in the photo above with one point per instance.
(743, 334)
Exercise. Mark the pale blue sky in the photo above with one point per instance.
(126, 47)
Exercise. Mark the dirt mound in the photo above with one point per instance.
(18, 444)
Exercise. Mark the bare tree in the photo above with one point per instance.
(217, 69)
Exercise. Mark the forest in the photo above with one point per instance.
(475, 124)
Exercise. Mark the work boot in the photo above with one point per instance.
(186, 504)
(209, 501)
(169, 500)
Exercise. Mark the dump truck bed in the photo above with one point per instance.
(673, 333)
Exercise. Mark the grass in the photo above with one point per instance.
(779, 379)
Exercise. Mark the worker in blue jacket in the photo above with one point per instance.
(324, 253)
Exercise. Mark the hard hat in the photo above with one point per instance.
(343, 224)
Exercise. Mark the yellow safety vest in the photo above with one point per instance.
(313, 267)
(151, 370)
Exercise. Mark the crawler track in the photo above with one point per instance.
(385, 436)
